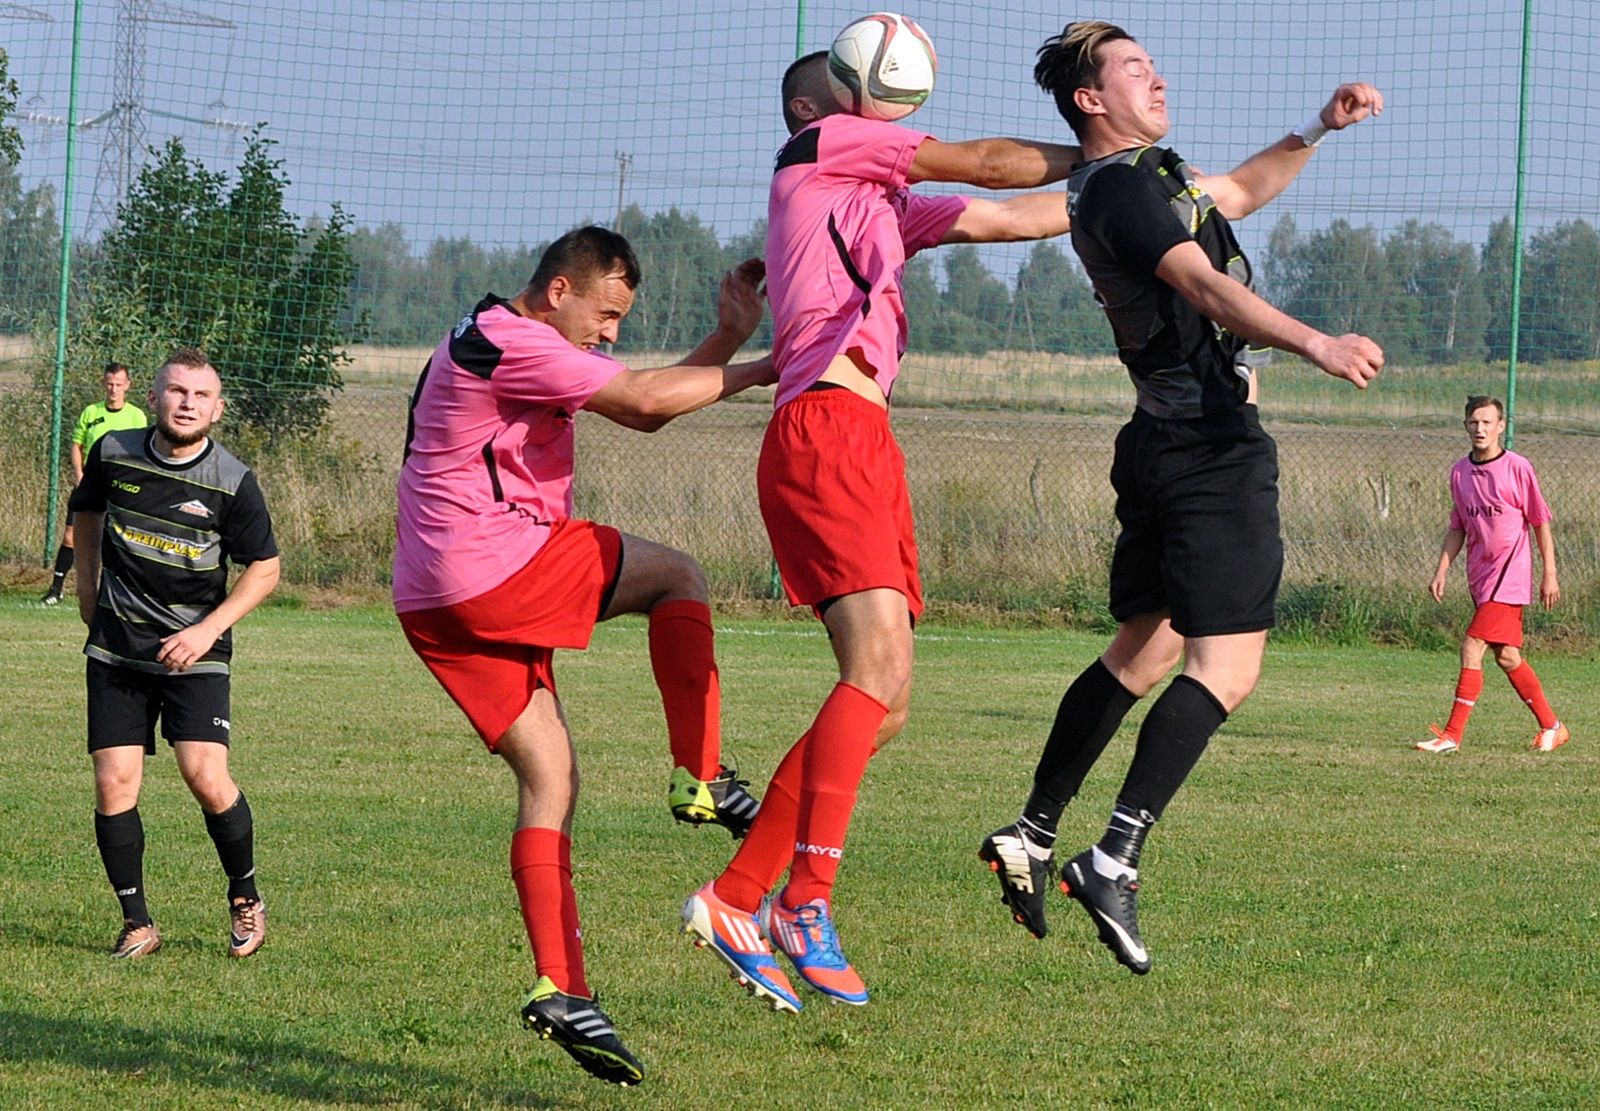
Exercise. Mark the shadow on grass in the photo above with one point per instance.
(240, 1065)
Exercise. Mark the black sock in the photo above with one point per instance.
(1124, 837)
(121, 841)
(233, 832)
(63, 565)
(1090, 712)
(1174, 734)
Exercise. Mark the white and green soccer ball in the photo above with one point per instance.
(882, 67)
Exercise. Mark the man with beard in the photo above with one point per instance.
(168, 508)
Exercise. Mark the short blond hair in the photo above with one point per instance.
(187, 356)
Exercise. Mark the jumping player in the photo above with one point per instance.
(492, 572)
(163, 512)
(1196, 567)
(1495, 500)
(832, 486)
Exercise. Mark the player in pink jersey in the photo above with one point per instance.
(831, 478)
(493, 573)
(1495, 500)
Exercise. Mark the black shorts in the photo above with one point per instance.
(124, 705)
(1198, 504)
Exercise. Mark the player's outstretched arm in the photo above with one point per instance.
(1448, 550)
(994, 163)
(1549, 587)
(180, 650)
(645, 400)
(1030, 216)
(739, 306)
(1354, 358)
(1263, 176)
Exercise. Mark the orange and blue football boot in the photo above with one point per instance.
(737, 937)
(807, 937)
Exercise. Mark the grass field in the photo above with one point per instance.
(1336, 921)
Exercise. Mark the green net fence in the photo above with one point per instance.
(314, 192)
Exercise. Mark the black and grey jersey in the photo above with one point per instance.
(1128, 210)
(171, 529)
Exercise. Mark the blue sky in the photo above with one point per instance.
(502, 122)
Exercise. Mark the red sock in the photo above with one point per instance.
(1468, 687)
(769, 846)
(686, 674)
(1531, 691)
(842, 740)
(541, 867)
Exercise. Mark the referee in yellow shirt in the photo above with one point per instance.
(116, 412)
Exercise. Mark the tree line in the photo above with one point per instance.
(1424, 294)
(203, 256)
(1420, 291)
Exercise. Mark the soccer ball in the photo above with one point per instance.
(882, 67)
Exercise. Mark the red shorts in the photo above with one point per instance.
(490, 653)
(833, 495)
(1497, 623)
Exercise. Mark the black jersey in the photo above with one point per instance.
(170, 531)
(1128, 210)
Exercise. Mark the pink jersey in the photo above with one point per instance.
(488, 466)
(1495, 504)
(840, 225)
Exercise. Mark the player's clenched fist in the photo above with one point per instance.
(1354, 358)
(1351, 103)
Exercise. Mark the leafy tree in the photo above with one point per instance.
(682, 266)
(194, 260)
(10, 137)
(1053, 307)
(30, 247)
(1440, 292)
(1494, 272)
(1561, 294)
(385, 287)
(1334, 280)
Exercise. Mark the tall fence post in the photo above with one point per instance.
(1517, 231)
(58, 385)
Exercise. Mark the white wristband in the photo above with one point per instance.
(1313, 131)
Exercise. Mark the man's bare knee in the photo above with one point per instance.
(212, 788)
(891, 727)
(116, 788)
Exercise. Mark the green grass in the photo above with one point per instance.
(1336, 921)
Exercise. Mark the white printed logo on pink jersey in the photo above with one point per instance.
(1495, 504)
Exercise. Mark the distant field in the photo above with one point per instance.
(1336, 921)
(1566, 394)
(1013, 505)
